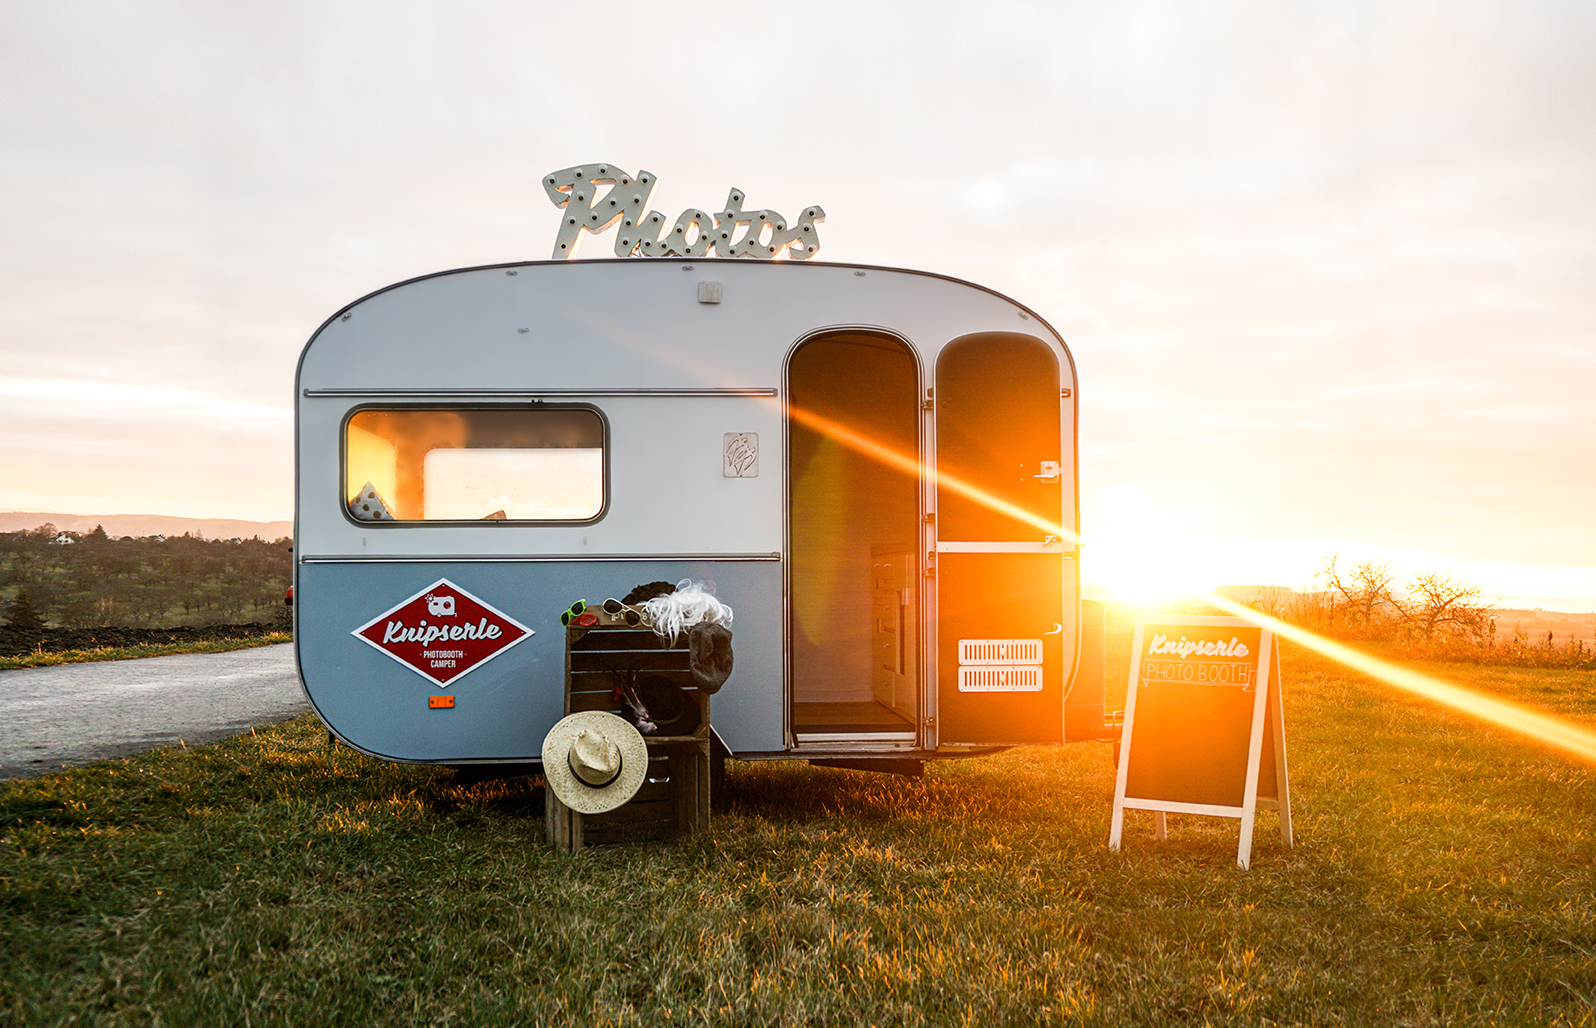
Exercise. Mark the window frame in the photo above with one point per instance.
(534, 407)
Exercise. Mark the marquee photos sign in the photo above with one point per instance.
(596, 196)
(1204, 732)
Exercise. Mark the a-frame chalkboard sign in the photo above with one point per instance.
(1204, 730)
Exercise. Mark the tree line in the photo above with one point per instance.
(1434, 614)
(1367, 601)
(81, 580)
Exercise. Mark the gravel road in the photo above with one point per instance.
(55, 717)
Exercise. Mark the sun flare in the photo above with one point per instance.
(1138, 552)
(1546, 729)
(1145, 557)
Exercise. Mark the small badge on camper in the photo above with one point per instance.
(442, 632)
(741, 455)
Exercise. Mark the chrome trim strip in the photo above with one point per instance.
(534, 394)
(555, 558)
(833, 753)
(1011, 547)
(807, 738)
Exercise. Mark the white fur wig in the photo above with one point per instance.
(692, 603)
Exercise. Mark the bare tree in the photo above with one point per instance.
(1273, 601)
(1366, 591)
(1316, 609)
(1439, 603)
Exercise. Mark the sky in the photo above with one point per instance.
(1327, 270)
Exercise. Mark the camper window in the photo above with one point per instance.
(474, 464)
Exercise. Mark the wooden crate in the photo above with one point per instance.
(673, 800)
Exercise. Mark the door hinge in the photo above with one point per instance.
(930, 722)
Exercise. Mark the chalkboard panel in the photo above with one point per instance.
(1202, 713)
(1191, 730)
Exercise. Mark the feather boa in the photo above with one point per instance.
(692, 603)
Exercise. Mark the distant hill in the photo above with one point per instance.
(138, 525)
(1249, 593)
(1536, 623)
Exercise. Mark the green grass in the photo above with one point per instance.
(46, 658)
(1442, 875)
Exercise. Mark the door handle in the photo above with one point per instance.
(1058, 629)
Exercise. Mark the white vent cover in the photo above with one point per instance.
(999, 651)
(997, 678)
(1000, 665)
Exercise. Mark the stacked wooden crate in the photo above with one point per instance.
(674, 798)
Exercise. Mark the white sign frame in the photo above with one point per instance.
(1266, 713)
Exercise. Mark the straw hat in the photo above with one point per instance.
(594, 761)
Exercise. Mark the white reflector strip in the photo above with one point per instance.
(995, 678)
(1000, 651)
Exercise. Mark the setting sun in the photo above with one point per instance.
(1138, 553)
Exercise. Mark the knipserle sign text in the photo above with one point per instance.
(442, 632)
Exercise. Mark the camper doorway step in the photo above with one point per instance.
(837, 718)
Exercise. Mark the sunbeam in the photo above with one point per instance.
(1540, 727)
(911, 465)
(1537, 726)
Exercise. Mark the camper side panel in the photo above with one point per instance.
(503, 707)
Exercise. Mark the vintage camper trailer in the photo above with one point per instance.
(874, 468)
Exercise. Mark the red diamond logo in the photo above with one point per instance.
(442, 632)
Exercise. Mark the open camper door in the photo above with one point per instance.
(999, 555)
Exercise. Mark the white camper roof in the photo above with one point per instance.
(628, 337)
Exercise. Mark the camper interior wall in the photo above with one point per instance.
(846, 504)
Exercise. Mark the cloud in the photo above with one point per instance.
(42, 399)
(1342, 252)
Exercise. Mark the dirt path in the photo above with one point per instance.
(57, 717)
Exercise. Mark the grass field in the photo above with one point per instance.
(1442, 875)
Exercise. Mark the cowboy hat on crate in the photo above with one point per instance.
(594, 761)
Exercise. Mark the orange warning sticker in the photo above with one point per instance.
(440, 702)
